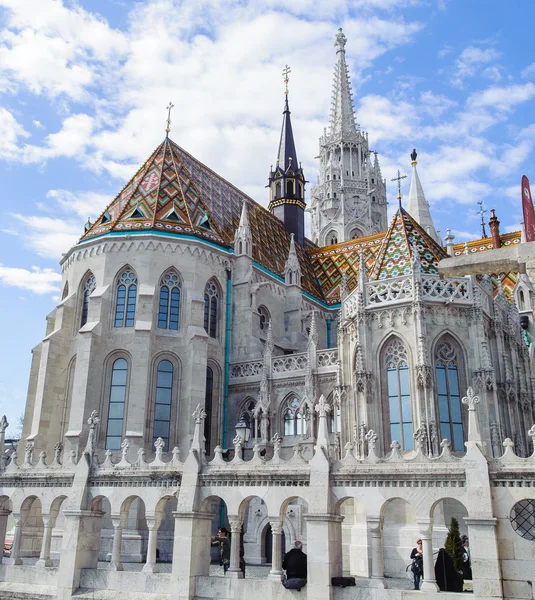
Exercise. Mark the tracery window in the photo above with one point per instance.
(169, 306)
(264, 317)
(248, 415)
(449, 398)
(399, 394)
(336, 421)
(125, 308)
(119, 379)
(294, 419)
(332, 238)
(89, 286)
(162, 409)
(211, 305)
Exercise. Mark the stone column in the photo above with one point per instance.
(486, 571)
(44, 557)
(324, 552)
(4, 514)
(276, 551)
(426, 533)
(150, 565)
(81, 536)
(235, 543)
(191, 552)
(17, 539)
(115, 564)
(375, 527)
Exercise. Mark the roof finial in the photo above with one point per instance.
(285, 72)
(398, 179)
(481, 213)
(340, 40)
(414, 154)
(168, 128)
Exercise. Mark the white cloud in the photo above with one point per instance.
(82, 204)
(502, 98)
(10, 132)
(529, 71)
(36, 280)
(37, 124)
(469, 62)
(49, 237)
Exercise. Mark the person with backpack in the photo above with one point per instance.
(417, 567)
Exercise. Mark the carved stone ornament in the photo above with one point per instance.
(199, 414)
(471, 399)
(322, 407)
(276, 440)
(3, 424)
(58, 449)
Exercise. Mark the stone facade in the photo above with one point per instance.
(204, 368)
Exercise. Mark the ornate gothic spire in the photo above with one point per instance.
(418, 207)
(342, 112)
(243, 241)
(292, 269)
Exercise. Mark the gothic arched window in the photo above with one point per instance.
(211, 301)
(169, 306)
(125, 308)
(332, 238)
(294, 420)
(208, 408)
(265, 317)
(119, 379)
(449, 398)
(162, 409)
(336, 420)
(399, 394)
(248, 415)
(89, 286)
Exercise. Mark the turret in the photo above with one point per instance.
(418, 207)
(286, 180)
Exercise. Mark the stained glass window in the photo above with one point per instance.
(211, 299)
(449, 397)
(169, 306)
(162, 410)
(125, 308)
(119, 378)
(399, 394)
(89, 286)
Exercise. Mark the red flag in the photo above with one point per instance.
(528, 210)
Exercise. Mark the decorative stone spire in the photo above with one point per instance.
(418, 207)
(243, 240)
(342, 112)
(292, 269)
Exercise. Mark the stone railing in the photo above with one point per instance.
(387, 291)
(458, 291)
(326, 361)
(293, 362)
(252, 368)
(327, 358)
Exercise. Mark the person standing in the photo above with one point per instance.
(223, 541)
(295, 565)
(417, 557)
(467, 562)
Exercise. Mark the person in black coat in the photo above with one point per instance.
(295, 565)
(417, 557)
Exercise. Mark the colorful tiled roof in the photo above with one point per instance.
(175, 193)
(508, 280)
(331, 262)
(394, 257)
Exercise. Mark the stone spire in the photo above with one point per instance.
(292, 269)
(243, 241)
(342, 112)
(418, 207)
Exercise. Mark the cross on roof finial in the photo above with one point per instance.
(168, 128)
(285, 72)
(481, 212)
(340, 40)
(398, 179)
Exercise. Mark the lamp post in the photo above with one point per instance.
(243, 430)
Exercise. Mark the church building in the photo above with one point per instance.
(209, 365)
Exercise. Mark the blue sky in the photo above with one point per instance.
(84, 87)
